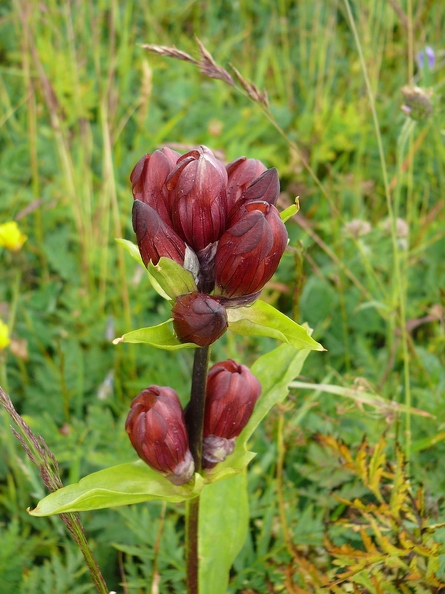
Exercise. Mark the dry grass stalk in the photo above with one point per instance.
(210, 68)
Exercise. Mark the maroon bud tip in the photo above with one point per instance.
(266, 187)
(156, 428)
(199, 318)
(148, 179)
(242, 173)
(197, 198)
(155, 237)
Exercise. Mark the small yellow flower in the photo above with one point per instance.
(4, 336)
(11, 237)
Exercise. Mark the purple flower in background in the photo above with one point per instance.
(430, 56)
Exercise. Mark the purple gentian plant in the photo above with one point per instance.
(210, 237)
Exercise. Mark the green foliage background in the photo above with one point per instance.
(80, 103)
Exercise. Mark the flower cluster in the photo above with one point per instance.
(219, 222)
(157, 427)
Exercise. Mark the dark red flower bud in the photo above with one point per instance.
(148, 179)
(250, 250)
(199, 318)
(155, 237)
(156, 428)
(266, 187)
(242, 172)
(198, 204)
(231, 394)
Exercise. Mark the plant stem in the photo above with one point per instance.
(195, 423)
(195, 415)
(191, 545)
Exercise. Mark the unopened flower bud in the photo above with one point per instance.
(155, 237)
(197, 202)
(266, 187)
(156, 428)
(148, 179)
(250, 250)
(231, 394)
(199, 318)
(242, 173)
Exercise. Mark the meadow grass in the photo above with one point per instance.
(81, 101)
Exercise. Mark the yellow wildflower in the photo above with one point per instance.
(4, 336)
(11, 237)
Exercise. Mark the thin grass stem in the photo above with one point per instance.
(399, 293)
(40, 455)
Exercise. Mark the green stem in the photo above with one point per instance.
(398, 282)
(195, 426)
(72, 522)
(3, 375)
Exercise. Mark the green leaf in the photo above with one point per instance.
(118, 485)
(159, 336)
(168, 278)
(275, 370)
(131, 248)
(290, 211)
(262, 319)
(136, 482)
(172, 278)
(224, 507)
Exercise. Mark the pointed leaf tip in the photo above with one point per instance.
(160, 337)
(262, 319)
